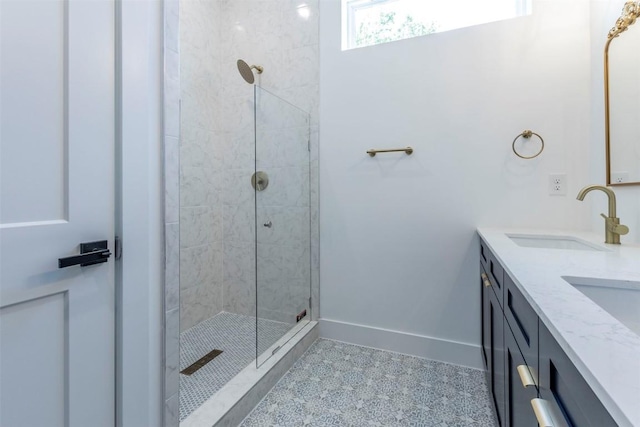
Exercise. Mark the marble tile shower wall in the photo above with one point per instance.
(171, 357)
(281, 36)
(201, 163)
(282, 136)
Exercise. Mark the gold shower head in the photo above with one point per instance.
(246, 71)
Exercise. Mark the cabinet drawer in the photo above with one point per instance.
(523, 321)
(496, 274)
(496, 356)
(485, 309)
(569, 399)
(484, 254)
(519, 386)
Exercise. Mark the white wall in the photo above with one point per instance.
(604, 14)
(399, 250)
(140, 187)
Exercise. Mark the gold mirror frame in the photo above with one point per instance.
(630, 13)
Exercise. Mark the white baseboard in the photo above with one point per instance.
(457, 353)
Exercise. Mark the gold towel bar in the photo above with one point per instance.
(373, 151)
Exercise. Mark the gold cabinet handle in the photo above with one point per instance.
(542, 412)
(525, 376)
(485, 280)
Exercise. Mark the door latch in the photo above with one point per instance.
(118, 248)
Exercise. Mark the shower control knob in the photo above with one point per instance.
(268, 224)
(260, 181)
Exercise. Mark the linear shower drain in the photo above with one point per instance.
(200, 363)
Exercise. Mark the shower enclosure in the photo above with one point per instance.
(245, 239)
(248, 191)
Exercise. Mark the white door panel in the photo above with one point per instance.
(34, 335)
(56, 191)
(33, 76)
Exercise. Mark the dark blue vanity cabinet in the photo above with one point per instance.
(518, 395)
(567, 395)
(521, 342)
(493, 343)
(502, 356)
(493, 269)
(523, 362)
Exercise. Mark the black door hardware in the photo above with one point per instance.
(90, 253)
(118, 248)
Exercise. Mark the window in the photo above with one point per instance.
(370, 22)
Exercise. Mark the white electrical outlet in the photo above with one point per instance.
(558, 184)
(619, 177)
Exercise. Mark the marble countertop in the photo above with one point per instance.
(606, 352)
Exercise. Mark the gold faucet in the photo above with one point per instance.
(612, 227)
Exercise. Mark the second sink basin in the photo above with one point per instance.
(619, 298)
(553, 242)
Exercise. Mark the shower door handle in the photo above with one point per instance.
(268, 224)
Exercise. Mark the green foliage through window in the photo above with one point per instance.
(387, 28)
(371, 22)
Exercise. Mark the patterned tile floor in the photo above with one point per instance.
(337, 384)
(235, 335)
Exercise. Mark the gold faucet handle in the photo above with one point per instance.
(613, 225)
(620, 229)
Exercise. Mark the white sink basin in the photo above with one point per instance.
(553, 242)
(619, 298)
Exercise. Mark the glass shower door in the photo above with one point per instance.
(283, 231)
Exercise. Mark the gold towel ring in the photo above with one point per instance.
(527, 134)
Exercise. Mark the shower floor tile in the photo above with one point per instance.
(338, 384)
(235, 335)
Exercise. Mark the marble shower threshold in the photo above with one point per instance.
(235, 335)
(236, 399)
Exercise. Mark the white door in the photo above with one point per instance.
(56, 191)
